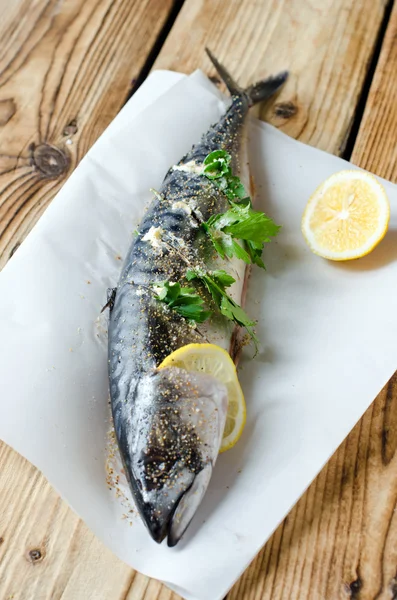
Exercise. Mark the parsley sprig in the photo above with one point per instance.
(240, 222)
(216, 283)
(217, 168)
(182, 300)
(187, 303)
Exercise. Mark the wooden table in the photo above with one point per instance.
(66, 69)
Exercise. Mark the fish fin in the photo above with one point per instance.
(262, 90)
(187, 506)
(257, 92)
(230, 83)
(111, 298)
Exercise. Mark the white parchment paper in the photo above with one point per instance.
(328, 335)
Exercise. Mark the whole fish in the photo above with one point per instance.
(169, 422)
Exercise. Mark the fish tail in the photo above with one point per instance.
(224, 74)
(257, 92)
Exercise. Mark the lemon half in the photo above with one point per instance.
(347, 216)
(213, 360)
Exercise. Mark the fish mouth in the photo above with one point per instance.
(176, 523)
(188, 505)
(157, 528)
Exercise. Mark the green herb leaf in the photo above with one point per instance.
(193, 312)
(255, 253)
(170, 292)
(216, 164)
(192, 274)
(222, 278)
(216, 282)
(252, 225)
(239, 252)
(234, 312)
(222, 243)
(183, 300)
(220, 155)
(217, 168)
(241, 222)
(235, 188)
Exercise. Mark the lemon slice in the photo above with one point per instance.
(347, 216)
(213, 360)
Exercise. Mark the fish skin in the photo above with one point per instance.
(168, 465)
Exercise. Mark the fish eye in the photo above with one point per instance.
(153, 459)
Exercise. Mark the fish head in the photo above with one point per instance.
(177, 423)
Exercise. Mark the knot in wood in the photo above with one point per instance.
(393, 588)
(50, 161)
(35, 555)
(71, 128)
(285, 110)
(355, 588)
(215, 79)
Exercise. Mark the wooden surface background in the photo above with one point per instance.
(66, 69)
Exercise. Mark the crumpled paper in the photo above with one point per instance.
(327, 334)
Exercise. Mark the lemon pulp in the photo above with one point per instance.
(347, 216)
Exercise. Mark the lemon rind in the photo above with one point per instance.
(375, 238)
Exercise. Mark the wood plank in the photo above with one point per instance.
(325, 43)
(47, 552)
(340, 540)
(65, 72)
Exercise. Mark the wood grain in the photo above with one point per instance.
(65, 71)
(326, 46)
(340, 540)
(66, 68)
(47, 552)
